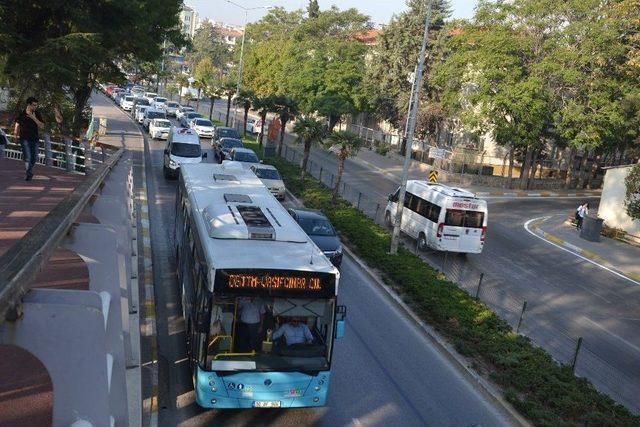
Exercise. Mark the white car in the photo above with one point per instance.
(180, 112)
(151, 96)
(160, 103)
(172, 108)
(151, 114)
(271, 179)
(257, 127)
(203, 127)
(127, 103)
(250, 125)
(140, 113)
(159, 128)
(183, 146)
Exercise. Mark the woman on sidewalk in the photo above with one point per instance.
(583, 210)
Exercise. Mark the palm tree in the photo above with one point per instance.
(287, 109)
(263, 105)
(245, 98)
(309, 130)
(228, 89)
(200, 86)
(181, 80)
(345, 144)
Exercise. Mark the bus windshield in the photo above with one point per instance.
(267, 334)
(185, 150)
(461, 218)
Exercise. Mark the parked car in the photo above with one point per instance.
(115, 92)
(257, 127)
(127, 103)
(320, 230)
(187, 117)
(159, 128)
(119, 94)
(246, 156)
(183, 146)
(181, 111)
(140, 111)
(151, 114)
(137, 91)
(160, 103)
(224, 146)
(271, 179)
(203, 127)
(224, 132)
(250, 125)
(172, 108)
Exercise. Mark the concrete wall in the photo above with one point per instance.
(612, 208)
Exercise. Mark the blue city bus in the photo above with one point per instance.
(241, 257)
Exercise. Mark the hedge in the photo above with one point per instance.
(541, 389)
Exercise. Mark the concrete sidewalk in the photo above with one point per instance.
(616, 256)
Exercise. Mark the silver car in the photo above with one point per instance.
(271, 179)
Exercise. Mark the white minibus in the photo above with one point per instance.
(441, 217)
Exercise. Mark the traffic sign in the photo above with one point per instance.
(433, 176)
(436, 153)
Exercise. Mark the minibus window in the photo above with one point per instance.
(474, 219)
(454, 218)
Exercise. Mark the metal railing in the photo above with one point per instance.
(69, 155)
(20, 265)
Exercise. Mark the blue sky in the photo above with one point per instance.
(379, 10)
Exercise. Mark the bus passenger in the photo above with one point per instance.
(294, 332)
(250, 326)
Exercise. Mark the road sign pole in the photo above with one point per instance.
(415, 101)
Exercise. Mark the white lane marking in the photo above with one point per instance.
(619, 338)
(622, 276)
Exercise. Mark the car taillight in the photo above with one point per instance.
(484, 233)
(440, 228)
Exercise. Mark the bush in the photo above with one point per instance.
(541, 389)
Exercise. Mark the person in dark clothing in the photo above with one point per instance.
(26, 129)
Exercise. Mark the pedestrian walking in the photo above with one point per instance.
(26, 129)
(581, 212)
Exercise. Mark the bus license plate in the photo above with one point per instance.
(266, 403)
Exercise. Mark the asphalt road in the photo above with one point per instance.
(567, 297)
(385, 370)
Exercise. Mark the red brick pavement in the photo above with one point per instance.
(26, 393)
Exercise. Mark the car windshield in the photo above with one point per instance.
(143, 102)
(159, 99)
(155, 114)
(204, 123)
(142, 110)
(185, 150)
(172, 104)
(192, 115)
(186, 109)
(302, 343)
(264, 173)
(163, 123)
(128, 98)
(229, 133)
(231, 143)
(316, 226)
(246, 157)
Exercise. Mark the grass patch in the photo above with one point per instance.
(542, 390)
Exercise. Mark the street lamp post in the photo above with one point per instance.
(413, 114)
(241, 65)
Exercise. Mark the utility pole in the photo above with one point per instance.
(413, 114)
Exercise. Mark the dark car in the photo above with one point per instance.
(223, 132)
(136, 102)
(184, 121)
(224, 147)
(319, 228)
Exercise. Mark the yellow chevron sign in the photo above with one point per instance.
(433, 176)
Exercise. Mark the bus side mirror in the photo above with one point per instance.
(340, 325)
(204, 155)
(390, 198)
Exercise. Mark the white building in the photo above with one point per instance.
(612, 208)
(190, 20)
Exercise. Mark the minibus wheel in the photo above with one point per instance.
(422, 242)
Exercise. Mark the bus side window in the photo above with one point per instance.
(434, 213)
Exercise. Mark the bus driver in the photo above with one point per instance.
(295, 332)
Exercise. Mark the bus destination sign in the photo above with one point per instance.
(274, 282)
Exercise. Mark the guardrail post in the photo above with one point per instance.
(67, 155)
(48, 160)
(320, 179)
(377, 210)
(479, 285)
(87, 156)
(575, 355)
(359, 197)
(524, 308)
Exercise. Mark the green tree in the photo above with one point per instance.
(182, 80)
(228, 88)
(632, 197)
(208, 77)
(208, 43)
(309, 131)
(345, 144)
(313, 10)
(35, 36)
(172, 89)
(263, 105)
(287, 109)
(245, 99)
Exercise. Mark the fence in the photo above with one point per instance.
(542, 325)
(70, 155)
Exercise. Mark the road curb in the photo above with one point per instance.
(536, 227)
(536, 195)
(485, 387)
